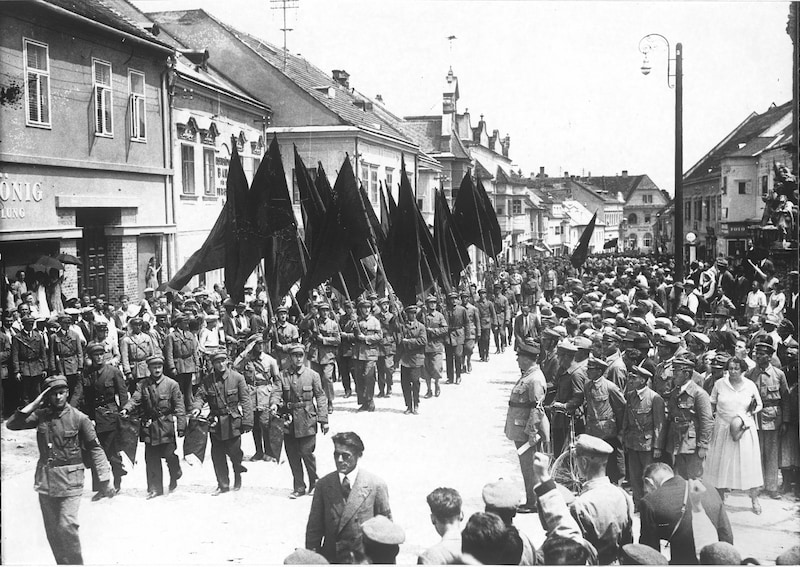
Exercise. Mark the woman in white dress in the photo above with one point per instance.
(735, 464)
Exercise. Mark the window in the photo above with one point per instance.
(419, 204)
(516, 206)
(389, 178)
(708, 209)
(647, 199)
(37, 83)
(187, 169)
(102, 98)
(698, 209)
(687, 210)
(557, 230)
(136, 87)
(209, 170)
(724, 185)
(369, 180)
(633, 219)
(499, 211)
(764, 184)
(742, 187)
(646, 219)
(725, 213)
(647, 240)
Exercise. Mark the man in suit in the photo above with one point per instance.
(343, 501)
(524, 326)
(663, 516)
(29, 358)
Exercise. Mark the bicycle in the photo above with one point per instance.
(564, 469)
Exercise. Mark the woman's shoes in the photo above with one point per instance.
(756, 507)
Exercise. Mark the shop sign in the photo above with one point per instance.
(222, 164)
(14, 195)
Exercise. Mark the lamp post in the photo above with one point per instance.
(646, 45)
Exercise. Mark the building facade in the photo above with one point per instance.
(85, 165)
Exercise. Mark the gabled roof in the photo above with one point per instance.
(509, 179)
(579, 215)
(103, 13)
(606, 197)
(426, 132)
(744, 135)
(625, 184)
(481, 172)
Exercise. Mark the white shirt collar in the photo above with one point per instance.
(685, 386)
(351, 476)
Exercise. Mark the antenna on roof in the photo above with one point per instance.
(285, 6)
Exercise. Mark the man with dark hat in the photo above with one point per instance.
(135, 349)
(29, 358)
(471, 333)
(388, 348)
(569, 384)
(642, 428)
(502, 498)
(411, 351)
(604, 511)
(436, 328)
(690, 420)
(104, 386)
(488, 322)
(526, 422)
(456, 316)
(182, 356)
(366, 336)
(61, 433)
(302, 395)
(159, 398)
(231, 414)
(772, 387)
(66, 358)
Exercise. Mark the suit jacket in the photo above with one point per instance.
(660, 510)
(29, 353)
(334, 525)
(65, 353)
(181, 352)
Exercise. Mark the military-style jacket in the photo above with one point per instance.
(473, 330)
(604, 513)
(110, 354)
(229, 401)
(643, 421)
(66, 353)
(488, 316)
(302, 394)
(457, 323)
(159, 400)
(61, 435)
(5, 354)
(389, 326)
(288, 335)
(266, 377)
(366, 343)
(29, 353)
(605, 407)
(411, 347)
(102, 387)
(325, 343)
(135, 350)
(690, 420)
(501, 308)
(160, 335)
(772, 388)
(346, 326)
(525, 410)
(616, 372)
(436, 327)
(569, 386)
(181, 352)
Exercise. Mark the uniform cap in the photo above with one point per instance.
(598, 363)
(381, 529)
(72, 311)
(155, 360)
(219, 355)
(663, 323)
(297, 348)
(502, 494)
(643, 372)
(101, 325)
(481, 290)
(56, 381)
(87, 309)
(528, 347)
(685, 319)
(640, 554)
(453, 294)
(585, 316)
(591, 445)
(582, 343)
(669, 340)
(700, 337)
(772, 319)
(149, 290)
(281, 309)
(372, 296)
(567, 346)
(684, 360)
(431, 298)
(323, 305)
(765, 345)
(722, 262)
(95, 348)
(304, 557)
(551, 334)
(411, 307)
(28, 319)
(255, 338)
(611, 310)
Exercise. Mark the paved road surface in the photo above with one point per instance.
(457, 441)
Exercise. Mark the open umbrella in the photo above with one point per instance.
(69, 259)
(46, 263)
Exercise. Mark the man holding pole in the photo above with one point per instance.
(367, 337)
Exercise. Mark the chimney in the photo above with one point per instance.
(342, 77)
(506, 144)
(541, 171)
(379, 98)
(566, 175)
(624, 173)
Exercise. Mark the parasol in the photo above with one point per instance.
(69, 259)
(46, 263)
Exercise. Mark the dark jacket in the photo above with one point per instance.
(102, 386)
(298, 391)
(28, 353)
(159, 400)
(229, 401)
(66, 353)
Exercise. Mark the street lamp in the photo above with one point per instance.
(646, 45)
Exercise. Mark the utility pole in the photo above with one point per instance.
(285, 6)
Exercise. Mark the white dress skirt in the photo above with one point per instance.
(733, 464)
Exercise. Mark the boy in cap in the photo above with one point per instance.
(110, 349)
(59, 471)
(411, 352)
(159, 398)
(642, 428)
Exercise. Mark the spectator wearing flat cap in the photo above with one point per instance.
(104, 394)
(502, 497)
(488, 321)
(382, 539)
(135, 349)
(639, 554)
(604, 407)
(569, 384)
(690, 420)
(182, 357)
(301, 556)
(301, 394)
(772, 387)
(159, 399)
(29, 359)
(643, 428)
(65, 357)
(231, 415)
(61, 433)
(526, 421)
(436, 328)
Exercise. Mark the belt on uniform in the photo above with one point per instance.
(295, 405)
(528, 405)
(262, 382)
(772, 403)
(677, 419)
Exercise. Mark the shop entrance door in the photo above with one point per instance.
(92, 249)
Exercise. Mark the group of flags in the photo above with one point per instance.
(344, 241)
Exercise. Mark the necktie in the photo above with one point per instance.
(345, 487)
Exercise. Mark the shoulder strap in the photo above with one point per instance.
(683, 512)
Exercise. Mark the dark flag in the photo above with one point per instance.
(451, 250)
(195, 439)
(210, 256)
(386, 221)
(402, 257)
(582, 249)
(476, 225)
(392, 204)
(128, 436)
(374, 223)
(611, 244)
(239, 230)
(324, 189)
(430, 270)
(312, 206)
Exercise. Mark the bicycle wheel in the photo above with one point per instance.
(565, 472)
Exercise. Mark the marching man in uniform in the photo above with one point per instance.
(29, 358)
(182, 355)
(66, 358)
(135, 349)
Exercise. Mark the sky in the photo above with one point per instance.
(563, 79)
